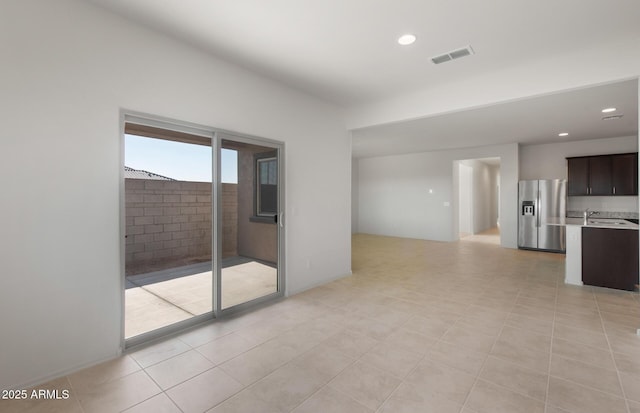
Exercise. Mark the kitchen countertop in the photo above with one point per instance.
(615, 223)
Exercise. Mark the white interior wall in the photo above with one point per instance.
(465, 200)
(494, 212)
(482, 203)
(355, 206)
(548, 161)
(483, 193)
(70, 69)
(395, 197)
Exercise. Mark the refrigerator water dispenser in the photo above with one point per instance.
(528, 208)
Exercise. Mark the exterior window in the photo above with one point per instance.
(267, 187)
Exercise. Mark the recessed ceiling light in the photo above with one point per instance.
(563, 134)
(406, 39)
(608, 110)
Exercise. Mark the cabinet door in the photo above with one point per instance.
(625, 174)
(600, 175)
(578, 182)
(610, 257)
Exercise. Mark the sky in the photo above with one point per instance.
(177, 160)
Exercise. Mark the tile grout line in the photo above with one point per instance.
(553, 330)
(484, 362)
(422, 358)
(378, 409)
(219, 364)
(162, 391)
(200, 374)
(590, 364)
(110, 380)
(247, 387)
(599, 390)
(325, 385)
(615, 363)
(75, 397)
(353, 362)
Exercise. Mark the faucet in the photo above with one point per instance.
(588, 213)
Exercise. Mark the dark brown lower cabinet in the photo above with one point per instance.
(610, 257)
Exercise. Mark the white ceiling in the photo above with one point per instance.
(529, 121)
(345, 52)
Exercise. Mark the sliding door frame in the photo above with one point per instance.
(280, 290)
(216, 135)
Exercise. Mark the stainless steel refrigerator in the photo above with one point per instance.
(539, 203)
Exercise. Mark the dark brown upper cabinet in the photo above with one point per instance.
(600, 176)
(625, 174)
(578, 182)
(603, 175)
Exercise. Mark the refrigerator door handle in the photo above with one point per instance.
(538, 210)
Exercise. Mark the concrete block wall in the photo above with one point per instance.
(229, 220)
(168, 223)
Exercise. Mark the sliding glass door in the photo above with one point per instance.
(201, 230)
(250, 230)
(168, 224)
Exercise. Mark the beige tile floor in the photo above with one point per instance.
(491, 236)
(420, 327)
(160, 304)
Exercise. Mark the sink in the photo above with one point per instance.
(606, 222)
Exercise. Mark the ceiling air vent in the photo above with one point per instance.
(454, 54)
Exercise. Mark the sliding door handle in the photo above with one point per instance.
(280, 219)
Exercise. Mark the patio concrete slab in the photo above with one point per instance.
(145, 312)
(165, 297)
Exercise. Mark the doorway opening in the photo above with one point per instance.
(478, 195)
